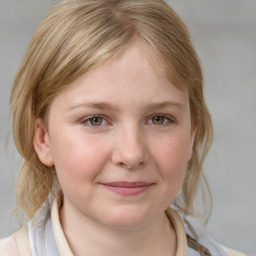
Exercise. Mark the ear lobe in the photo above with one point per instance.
(41, 143)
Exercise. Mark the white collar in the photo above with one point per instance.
(64, 249)
(47, 237)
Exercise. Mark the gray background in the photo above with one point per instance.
(224, 34)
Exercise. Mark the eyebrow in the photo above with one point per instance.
(110, 106)
(165, 104)
(94, 105)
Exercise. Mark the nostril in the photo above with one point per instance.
(134, 166)
(131, 166)
(130, 151)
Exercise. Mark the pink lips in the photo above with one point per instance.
(128, 188)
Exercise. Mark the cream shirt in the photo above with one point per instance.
(45, 237)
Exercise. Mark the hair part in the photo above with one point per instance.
(77, 36)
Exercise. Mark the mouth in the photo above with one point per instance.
(128, 188)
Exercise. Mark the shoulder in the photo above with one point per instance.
(17, 244)
(8, 247)
(198, 232)
(231, 252)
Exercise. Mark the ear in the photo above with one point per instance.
(41, 143)
(193, 134)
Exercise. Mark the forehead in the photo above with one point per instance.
(130, 77)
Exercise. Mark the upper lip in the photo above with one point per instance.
(125, 184)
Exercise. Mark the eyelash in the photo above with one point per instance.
(167, 120)
(87, 121)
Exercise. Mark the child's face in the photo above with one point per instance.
(120, 138)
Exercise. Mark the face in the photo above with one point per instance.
(120, 138)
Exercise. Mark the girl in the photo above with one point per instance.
(109, 116)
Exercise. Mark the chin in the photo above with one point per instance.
(127, 218)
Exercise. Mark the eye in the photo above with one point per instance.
(94, 121)
(160, 120)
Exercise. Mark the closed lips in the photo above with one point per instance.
(128, 184)
(128, 188)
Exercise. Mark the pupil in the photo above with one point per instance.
(158, 119)
(96, 121)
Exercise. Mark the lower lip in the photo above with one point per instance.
(128, 191)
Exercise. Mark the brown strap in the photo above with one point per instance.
(22, 239)
(192, 243)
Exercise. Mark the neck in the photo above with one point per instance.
(87, 237)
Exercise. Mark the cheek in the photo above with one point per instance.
(78, 159)
(171, 159)
(173, 150)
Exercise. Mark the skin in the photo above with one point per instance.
(143, 133)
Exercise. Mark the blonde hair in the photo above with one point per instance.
(78, 35)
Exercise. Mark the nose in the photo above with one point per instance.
(131, 149)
